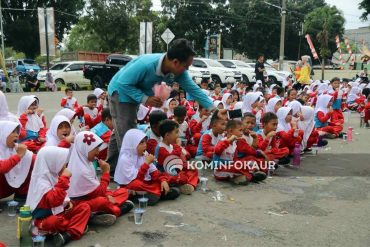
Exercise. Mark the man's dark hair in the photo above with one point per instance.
(106, 114)
(68, 89)
(334, 79)
(268, 117)
(179, 111)
(91, 97)
(248, 114)
(181, 49)
(167, 126)
(232, 124)
(155, 117)
(260, 55)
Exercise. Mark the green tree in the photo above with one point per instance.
(365, 5)
(21, 27)
(323, 24)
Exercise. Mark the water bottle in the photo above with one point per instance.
(24, 227)
(349, 134)
(297, 155)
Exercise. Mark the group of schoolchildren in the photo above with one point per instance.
(54, 167)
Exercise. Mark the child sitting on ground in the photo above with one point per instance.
(59, 133)
(16, 163)
(210, 138)
(104, 131)
(224, 155)
(33, 123)
(155, 118)
(90, 112)
(269, 141)
(170, 147)
(136, 171)
(52, 211)
(69, 101)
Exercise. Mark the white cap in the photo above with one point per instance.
(31, 70)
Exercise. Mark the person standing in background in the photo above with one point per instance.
(259, 68)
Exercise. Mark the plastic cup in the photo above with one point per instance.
(203, 183)
(12, 208)
(138, 215)
(143, 202)
(38, 241)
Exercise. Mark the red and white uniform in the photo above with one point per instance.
(70, 103)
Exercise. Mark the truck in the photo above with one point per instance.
(24, 65)
(84, 56)
(100, 74)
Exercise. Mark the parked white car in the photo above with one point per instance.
(274, 75)
(219, 73)
(66, 72)
(196, 72)
(248, 74)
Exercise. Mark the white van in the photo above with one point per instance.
(67, 72)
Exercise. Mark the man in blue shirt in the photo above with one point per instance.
(133, 84)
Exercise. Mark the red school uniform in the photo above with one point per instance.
(331, 128)
(152, 142)
(91, 116)
(226, 153)
(31, 136)
(73, 221)
(5, 166)
(69, 103)
(287, 138)
(186, 175)
(271, 146)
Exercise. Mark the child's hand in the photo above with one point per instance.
(40, 111)
(21, 150)
(178, 141)
(42, 139)
(68, 207)
(149, 159)
(29, 111)
(271, 134)
(66, 173)
(253, 134)
(104, 166)
(111, 199)
(204, 118)
(232, 138)
(165, 187)
(331, 109)
(70, 139)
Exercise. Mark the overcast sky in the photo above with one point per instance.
(349, 8)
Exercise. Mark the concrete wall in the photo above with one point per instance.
(329, 74)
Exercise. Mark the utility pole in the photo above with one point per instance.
(282, 35)
(2, 31)
(300, 41)
(282, 30)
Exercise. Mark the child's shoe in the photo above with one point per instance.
(61, 239)
(103, 219)
(186, 189)
(258, 176)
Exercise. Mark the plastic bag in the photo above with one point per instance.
(162, 91)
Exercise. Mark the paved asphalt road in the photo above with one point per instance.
(323, 203)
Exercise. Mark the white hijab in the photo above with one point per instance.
(353, 94)
(295, 105)
(49, 162)
(4, 110)
(224, 99)
(323, 88)
(18, 174)
(282, 124)
(52, 138)
(248, 101)
(270, 107)
(68, 113)
(307, 124)
(217, 102)
(142, 112)
(34, 121)
(167, 105)
(84, 179)
(322, 103)
(97, 92)
(129, 162)
(312, 87)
